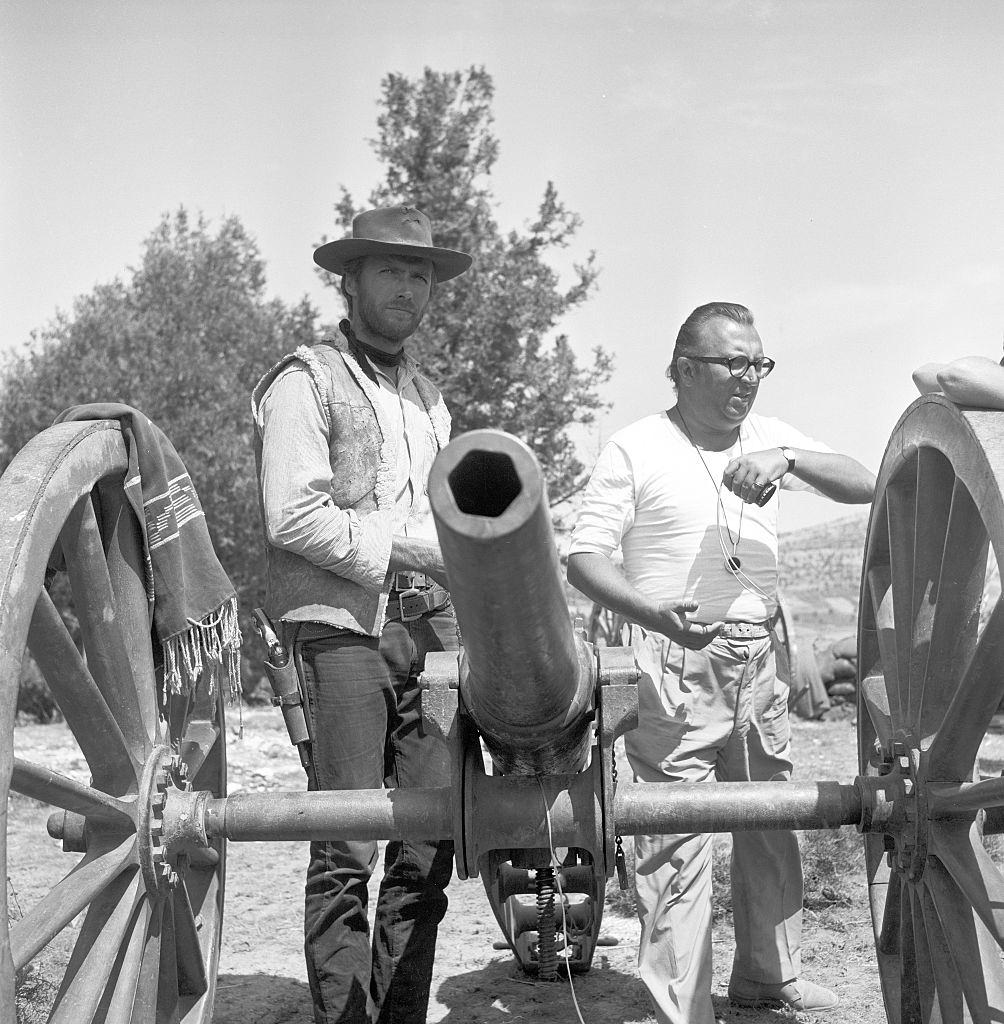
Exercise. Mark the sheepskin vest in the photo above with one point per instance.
(363, 460)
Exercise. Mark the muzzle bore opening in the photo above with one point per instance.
(485, 484)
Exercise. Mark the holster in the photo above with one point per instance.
(289, 694)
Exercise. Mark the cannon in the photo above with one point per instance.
(531, 710)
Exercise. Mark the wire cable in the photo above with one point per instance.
(561, 894)
(743, 579)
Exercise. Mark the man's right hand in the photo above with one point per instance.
(673, 620)
(408, 554)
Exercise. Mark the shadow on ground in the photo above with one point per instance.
(261, 999)
(500, 992)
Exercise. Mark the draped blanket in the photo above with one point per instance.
(194, 604)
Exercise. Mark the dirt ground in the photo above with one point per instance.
(262, 979)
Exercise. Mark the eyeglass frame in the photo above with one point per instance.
(728, 360)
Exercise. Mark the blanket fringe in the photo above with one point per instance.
(211, 646)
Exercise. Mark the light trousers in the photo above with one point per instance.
(720, 714)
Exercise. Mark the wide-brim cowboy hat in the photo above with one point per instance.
(393, 230)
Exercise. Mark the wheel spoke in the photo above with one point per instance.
(954, 799)
(943, 958)
(192, 980)
(127, 572)
(96, 870)
(956, 612)
(888, 938)
(876, 702)
(909, 993)
(168, 992)
(104, 640)
(901, 515)
(978, 962)
(935, 482)
(60, 791)
(953, 750)
(200, 740)
(927, 995)
(880, 591)
(148, 985)
(113, 767)
(960, 850)
(123, 995)
(96, 950)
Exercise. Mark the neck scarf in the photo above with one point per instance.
(358, 347)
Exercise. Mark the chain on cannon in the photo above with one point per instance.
(530, 698)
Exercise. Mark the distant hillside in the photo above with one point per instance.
(820, 568)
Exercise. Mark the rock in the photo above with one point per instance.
(844, 668)
(846, 648)
(842, 689)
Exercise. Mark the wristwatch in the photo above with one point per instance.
(790, 456)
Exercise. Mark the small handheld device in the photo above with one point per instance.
(766, 494)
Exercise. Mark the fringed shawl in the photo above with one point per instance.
(194, 605)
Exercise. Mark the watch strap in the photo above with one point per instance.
(790, 456)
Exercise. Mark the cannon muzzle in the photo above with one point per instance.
(526, 679)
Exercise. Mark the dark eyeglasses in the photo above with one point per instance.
(739, 365)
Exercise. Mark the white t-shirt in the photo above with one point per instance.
(660, 499)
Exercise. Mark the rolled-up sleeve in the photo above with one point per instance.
(608, 504)
(296, 482)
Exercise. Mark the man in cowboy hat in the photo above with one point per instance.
(345, 434)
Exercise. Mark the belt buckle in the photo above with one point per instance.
(402, 581)
(410, 595)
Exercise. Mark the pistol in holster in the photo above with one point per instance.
(288, 691)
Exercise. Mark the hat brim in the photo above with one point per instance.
(333, 256)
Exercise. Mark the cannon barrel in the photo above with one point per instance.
(526, 678)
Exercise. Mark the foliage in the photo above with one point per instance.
(183, 339)
(34, 993)
(487, 339)
(34, 698)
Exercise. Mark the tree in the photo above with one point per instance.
(184, 339)
(487, 340)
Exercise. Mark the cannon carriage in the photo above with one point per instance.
(529, 696)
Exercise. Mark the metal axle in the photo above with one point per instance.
(657, 808)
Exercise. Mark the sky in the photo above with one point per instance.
(835, 165)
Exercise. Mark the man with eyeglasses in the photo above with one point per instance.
(690, 497)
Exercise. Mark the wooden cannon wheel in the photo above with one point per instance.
(148, 945)
(932, 677)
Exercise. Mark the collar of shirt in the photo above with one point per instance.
(398, 377)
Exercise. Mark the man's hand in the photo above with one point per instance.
(672, 620)
(408, 554)
(748, 475)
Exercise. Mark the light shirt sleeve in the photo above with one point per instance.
(300, 514)
(608, 504)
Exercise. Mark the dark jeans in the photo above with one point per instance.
(368, 732)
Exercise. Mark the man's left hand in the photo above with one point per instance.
(748, 475)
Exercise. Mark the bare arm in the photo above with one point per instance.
(973, 380)
(838, 477)
(597, 577)
(926, 377)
